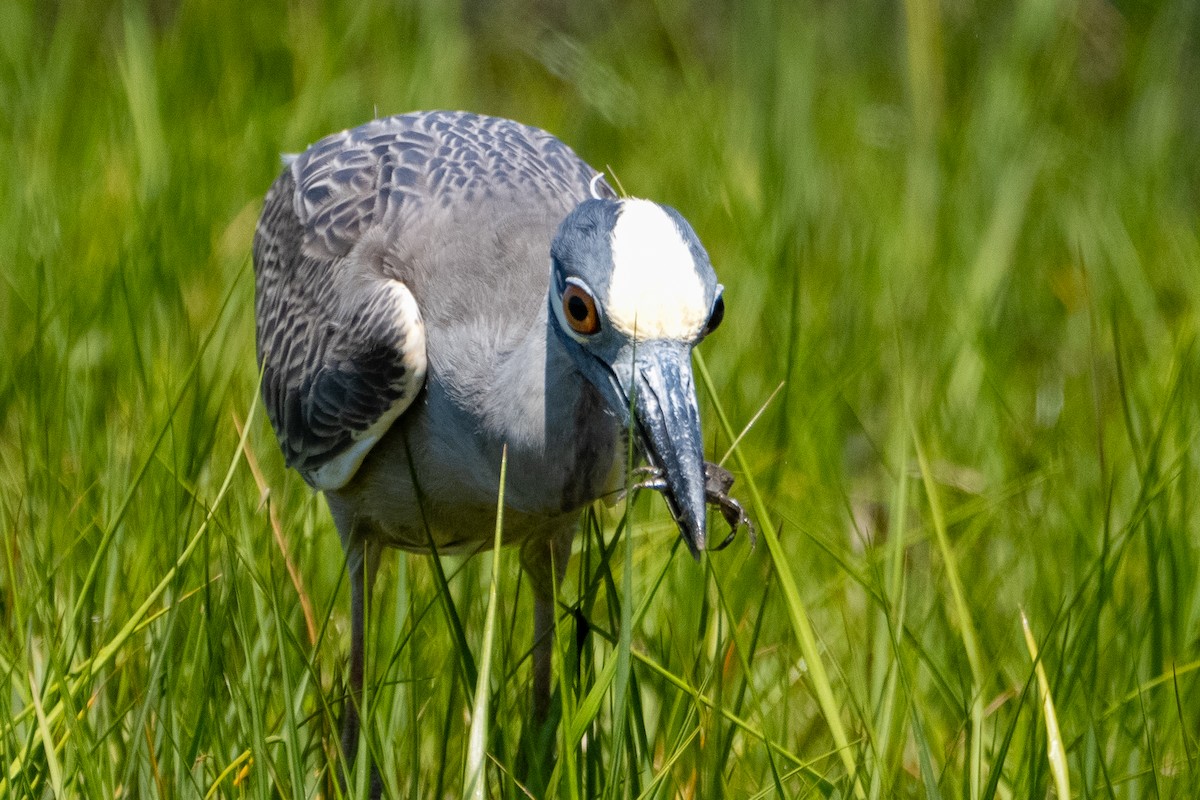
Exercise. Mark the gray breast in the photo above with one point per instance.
(459, 210)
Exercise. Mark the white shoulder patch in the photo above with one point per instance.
(655, 291)
(339, 470)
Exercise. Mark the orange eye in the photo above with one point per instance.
(579, 309)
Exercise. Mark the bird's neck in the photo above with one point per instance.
(555, 423)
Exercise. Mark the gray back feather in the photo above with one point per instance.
(458, 208)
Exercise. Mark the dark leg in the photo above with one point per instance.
(350, 716)
(362, 561)
(546, 563)
(543, 649)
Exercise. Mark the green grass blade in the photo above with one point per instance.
(577, 721)
(83, 672)
(797, 613)
(962, 612)
(49, 747)
(624, 643)
(1056, 752)
(474, 781)
(745, 727)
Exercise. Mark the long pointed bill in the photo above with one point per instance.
(669, 422)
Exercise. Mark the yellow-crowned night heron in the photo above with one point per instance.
(432, 287)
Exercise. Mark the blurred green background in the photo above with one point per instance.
(964, 238)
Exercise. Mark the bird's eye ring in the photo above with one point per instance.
(579, 310)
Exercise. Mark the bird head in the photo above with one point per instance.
(632, 291)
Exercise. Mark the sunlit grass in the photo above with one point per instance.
(965, 240)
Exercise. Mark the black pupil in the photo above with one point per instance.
(577, 308)
(718, 313)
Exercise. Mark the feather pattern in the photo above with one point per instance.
(410, 330)
(341, 330)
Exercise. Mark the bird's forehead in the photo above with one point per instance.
(656, 289)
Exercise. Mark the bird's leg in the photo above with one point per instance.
(362, 561)
(543, 648)
(350, 714)
(546, 565)
(545, 562)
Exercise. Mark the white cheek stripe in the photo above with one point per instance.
(655, 291)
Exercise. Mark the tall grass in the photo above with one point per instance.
(965, 239)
